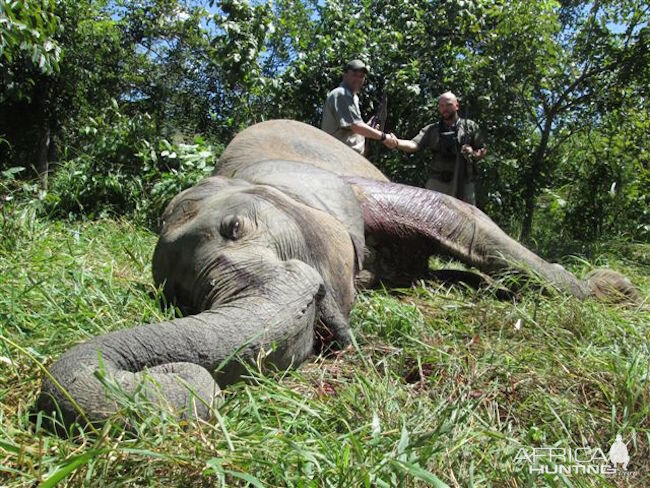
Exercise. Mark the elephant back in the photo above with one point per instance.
(289, 140)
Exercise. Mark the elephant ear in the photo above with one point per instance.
(186, 205)
(172, 258)
(315, 187)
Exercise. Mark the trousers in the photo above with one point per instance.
(449, 187)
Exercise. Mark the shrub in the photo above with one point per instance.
(124, 168)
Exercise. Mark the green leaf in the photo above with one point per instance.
(71, 464)
(419, 473)
(246, 477)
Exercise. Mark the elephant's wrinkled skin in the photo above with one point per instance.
(265, 249)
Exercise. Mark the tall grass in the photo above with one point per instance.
(445, 387)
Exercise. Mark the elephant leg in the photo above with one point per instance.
(173, 363)
(449, 226)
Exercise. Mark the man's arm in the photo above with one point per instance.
(366, 131)
(393, 142)
(349, 117)
(476, 149)
(423, 139)
(406, 145)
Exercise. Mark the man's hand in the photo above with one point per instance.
(391, 141)
(480, 153)
(394, 142)
(469, 153)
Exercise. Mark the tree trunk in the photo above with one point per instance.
(532, 180)
(42, 164)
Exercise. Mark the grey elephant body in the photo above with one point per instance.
(261, 252)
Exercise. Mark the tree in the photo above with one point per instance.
(539, 77)
(560, 73)
(42, 98)
(27, 30)
(29, 53)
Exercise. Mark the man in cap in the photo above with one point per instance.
(341, 113)
(457, 145)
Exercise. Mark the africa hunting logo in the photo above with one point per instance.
(618, 453)
(580, 460)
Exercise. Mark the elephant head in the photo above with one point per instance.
(219, 235)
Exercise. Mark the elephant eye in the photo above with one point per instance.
(231, 227)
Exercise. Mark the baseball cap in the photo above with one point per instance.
(356, 64)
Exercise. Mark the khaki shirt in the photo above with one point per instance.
(341, 110)
(429, 137)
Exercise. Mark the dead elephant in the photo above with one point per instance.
(269, 246)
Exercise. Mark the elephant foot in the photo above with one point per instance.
(609, 286)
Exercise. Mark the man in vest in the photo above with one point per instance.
(457, 146)
(341, 114)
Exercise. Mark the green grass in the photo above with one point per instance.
(442, 386)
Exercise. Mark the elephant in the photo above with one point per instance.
(264, 256)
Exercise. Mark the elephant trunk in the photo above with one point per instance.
(172, 363)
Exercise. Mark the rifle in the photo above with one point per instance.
(459, 170)
(378, 121)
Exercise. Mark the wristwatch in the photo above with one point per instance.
(383, 137)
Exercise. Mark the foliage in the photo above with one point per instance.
(166, 66)
(601, 187)
(443, 383)
(40, 105)
(609, 177)
(238, 45)
(27, 31)
(185, 165)
(124, 168)
(539, 77)
(532, 73)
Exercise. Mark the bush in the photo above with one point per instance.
(125, 168)
(600, 187)
(193, 162)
